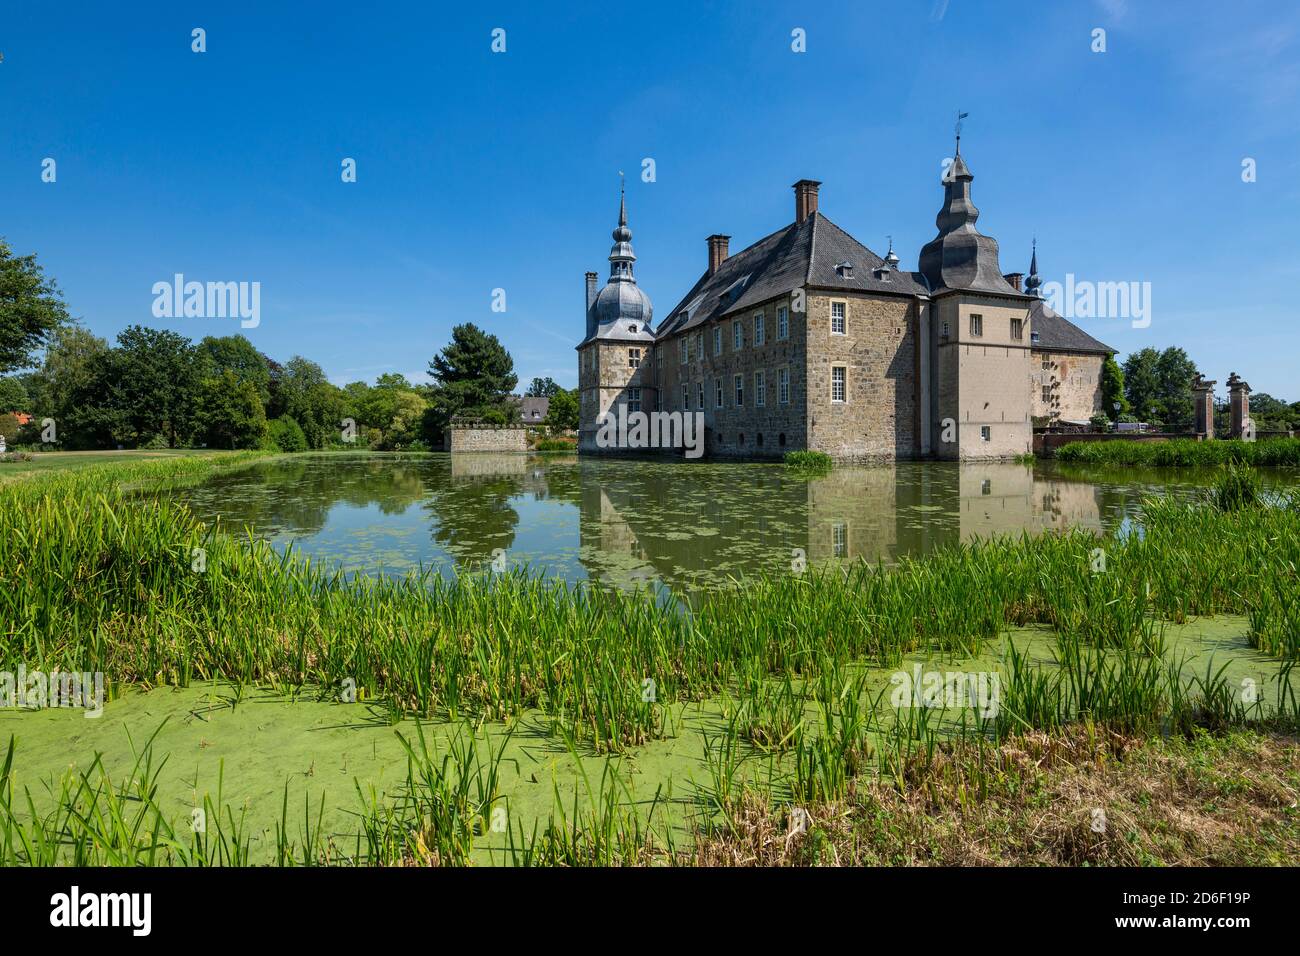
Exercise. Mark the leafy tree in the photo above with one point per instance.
(1176, 404)
(301, 390)
(543, 388)
(151, 381)
(1142, 383)
(229, 413)
(31, 308)
(1112, 389)
(562, 413)
(9, 428)
(473, 375)
(13, 394)
(236, 354)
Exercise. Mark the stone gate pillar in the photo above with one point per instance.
(1239, 403)
(1203, 394)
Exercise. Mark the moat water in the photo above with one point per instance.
(633, 523)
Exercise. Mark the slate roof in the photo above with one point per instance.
(1058, 334)
(531, 409)
(801, 254)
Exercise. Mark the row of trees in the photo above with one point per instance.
(154, 387)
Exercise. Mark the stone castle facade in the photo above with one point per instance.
(807, 339)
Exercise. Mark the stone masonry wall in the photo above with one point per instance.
(878, 418)
(1073, 381)
(487, 439)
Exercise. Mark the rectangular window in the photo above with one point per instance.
(634, 399)
(840, 539)
(699, 346)
(760, 389)
(759, 332)
(944, 334)
(686, 396)
(633, 358)
(838, 323)
(737, 335)
(838, 390)
(1047, 393)
(740, 391)
(1017, 328)
(1047, 362)
(783, 387)
(717, 340)
(684, 346)
(984, 433)
(718, 396)
(782, 323)
(976, 325)
(699, 396)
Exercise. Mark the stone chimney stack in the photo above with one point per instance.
(717, 251)
(805, 198)
(591, 289)
(1014, 279)
(1239, 405)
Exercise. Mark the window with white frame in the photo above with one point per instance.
(838, 388)
(737, 335)
(685, 350)
(634, 399)
(717, 340)
(760, 389)
(740, 391)
(783, 386)
(699, 396)
(838, 322)
(976, 325)
(699, 346)
(759, 332)
(782, 323)
(840, 539)
(633, 358)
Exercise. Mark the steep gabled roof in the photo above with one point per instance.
(801, 254)
(1058, 334)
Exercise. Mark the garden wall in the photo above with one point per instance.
(494, 438)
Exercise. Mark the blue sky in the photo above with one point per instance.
(478, 170)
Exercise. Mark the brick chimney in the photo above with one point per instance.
(717, 251)
(805, 198)
(1014, 280)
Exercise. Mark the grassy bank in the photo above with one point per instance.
(96, 577)
(1180, 452)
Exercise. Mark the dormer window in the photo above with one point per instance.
(1033, 338)
(845, 269)
(632, 329)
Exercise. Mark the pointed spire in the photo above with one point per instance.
(891, 257)
(621, 256)
(1033, 282)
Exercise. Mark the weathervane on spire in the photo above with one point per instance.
(960, 116)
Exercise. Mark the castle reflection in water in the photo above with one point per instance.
(622, 523)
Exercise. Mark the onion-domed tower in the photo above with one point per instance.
(615, 359)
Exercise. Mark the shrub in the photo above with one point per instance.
(287, 435)
(809, 460)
